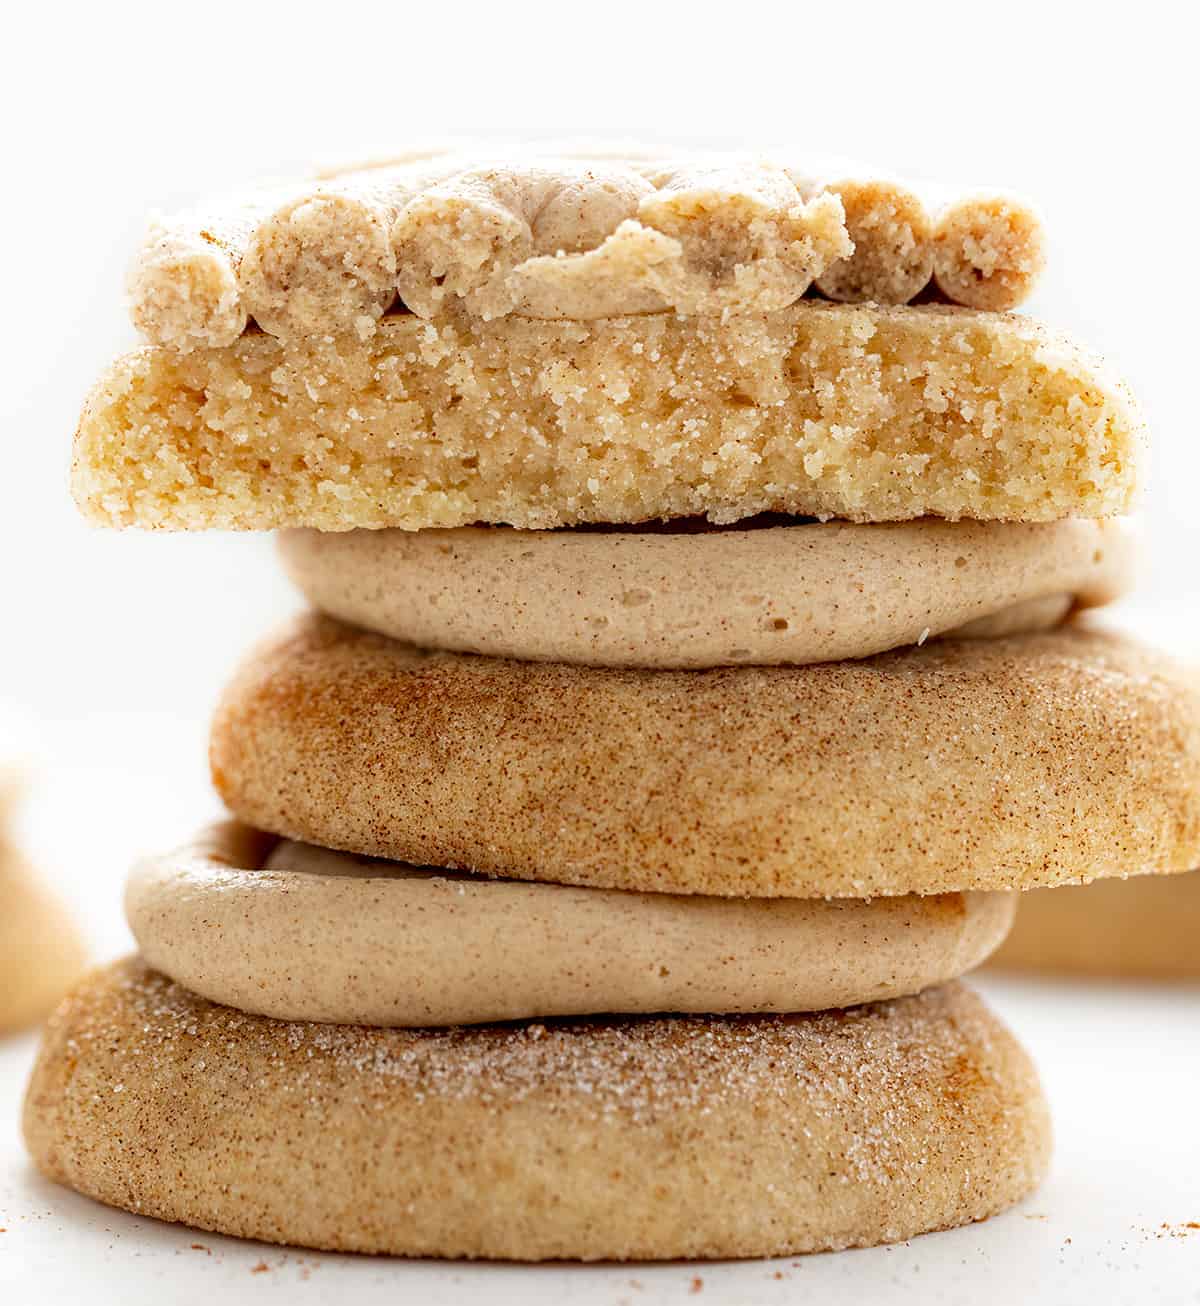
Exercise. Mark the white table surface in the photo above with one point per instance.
(1121, 1065)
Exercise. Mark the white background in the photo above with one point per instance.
(113, 647)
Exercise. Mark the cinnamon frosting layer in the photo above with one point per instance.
(303, 933)
(681, 595)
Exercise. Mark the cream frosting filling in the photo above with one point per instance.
(677, 596)
(302, 933)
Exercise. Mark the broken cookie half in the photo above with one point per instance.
(847, 411)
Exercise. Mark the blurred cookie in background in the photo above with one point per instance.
(1143, 928)
(41, 951)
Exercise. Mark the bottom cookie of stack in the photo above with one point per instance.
(584, 1137)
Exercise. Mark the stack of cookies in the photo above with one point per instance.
(689, 688)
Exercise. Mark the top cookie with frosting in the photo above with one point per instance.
(565, 236)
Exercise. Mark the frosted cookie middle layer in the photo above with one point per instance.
(311, 934)
(757, 592)
(859, 412)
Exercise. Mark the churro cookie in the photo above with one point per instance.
(763, 591)
(613, 1139)
(545, 234)
(1147, 927)
(964, 764)
(41, 952)
(827, 410)
(302, 933)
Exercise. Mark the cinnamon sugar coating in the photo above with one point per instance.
(975, 764)
(615, 1139)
